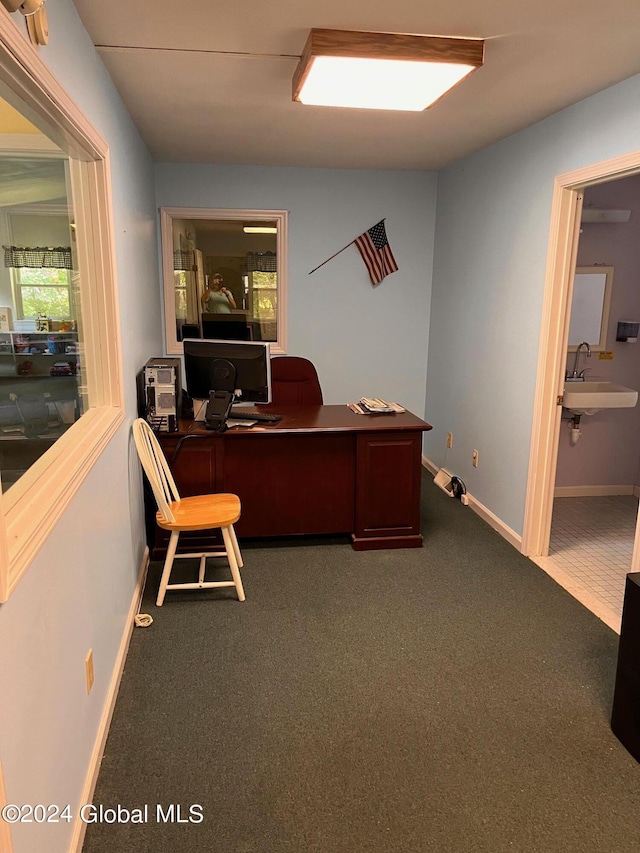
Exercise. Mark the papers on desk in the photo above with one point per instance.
(231, 422)
(375, 406)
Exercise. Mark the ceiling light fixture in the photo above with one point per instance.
(260, 229)
(382, 71)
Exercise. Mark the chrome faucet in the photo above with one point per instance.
(575, 376)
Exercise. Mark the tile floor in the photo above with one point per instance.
(590, 550)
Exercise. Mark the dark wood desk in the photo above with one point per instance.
(321, 469)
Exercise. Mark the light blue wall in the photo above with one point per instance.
(364, 340)
(492, 236)
(76, 594)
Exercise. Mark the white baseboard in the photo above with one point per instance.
(593, 491)
(79, 829)
(492, 520)
(429, 465)
(485, 514)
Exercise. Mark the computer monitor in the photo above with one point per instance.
(228, 327)
(206, 369)
(189, 330)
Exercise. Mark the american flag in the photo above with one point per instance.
(376, 252)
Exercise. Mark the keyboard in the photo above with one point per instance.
(253, 415)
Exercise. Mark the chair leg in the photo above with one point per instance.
(233, 563)
(168, 563)
(236, 547)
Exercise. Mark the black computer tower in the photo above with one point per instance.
(625, 715)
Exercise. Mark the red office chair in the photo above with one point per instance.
(294, 381)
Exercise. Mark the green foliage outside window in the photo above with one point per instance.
(44, 291)
(265, 286)
(180, 279)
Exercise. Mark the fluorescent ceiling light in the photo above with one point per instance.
(260, 229)
(379, 84)
(383, 71)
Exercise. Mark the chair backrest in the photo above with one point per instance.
(155, 467)
(294, 381)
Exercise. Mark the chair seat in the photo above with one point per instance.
(202, 512)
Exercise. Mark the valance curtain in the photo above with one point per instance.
(36, 257)
(261, 262)
(184, 259)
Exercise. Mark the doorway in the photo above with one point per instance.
(549, 461)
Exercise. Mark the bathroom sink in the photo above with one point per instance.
(587, 398)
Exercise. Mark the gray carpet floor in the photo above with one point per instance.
(451, 698)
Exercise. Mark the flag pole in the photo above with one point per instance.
(332, 256)
(338, 252)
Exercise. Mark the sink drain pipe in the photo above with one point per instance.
(574, 426)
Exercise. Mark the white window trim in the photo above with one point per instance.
(51, 483)
(168, 214)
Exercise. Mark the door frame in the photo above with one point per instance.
(561, 262)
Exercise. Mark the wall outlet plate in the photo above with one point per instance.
(474, 458)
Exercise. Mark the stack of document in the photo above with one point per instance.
(374, 406)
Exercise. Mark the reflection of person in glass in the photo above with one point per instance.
(217, 299)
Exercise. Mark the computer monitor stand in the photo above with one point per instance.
(218, 409)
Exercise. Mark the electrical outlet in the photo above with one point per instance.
(474, 458)
(449, 439)
(88, 668)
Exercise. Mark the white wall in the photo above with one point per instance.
(77, 592)
(492, 236)
(29, 230)
(364, 340)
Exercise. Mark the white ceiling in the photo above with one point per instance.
(210, 82)
(25, 181)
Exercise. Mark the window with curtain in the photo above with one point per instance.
(40, 280)
(42, 291)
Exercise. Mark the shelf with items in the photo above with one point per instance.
(22, 337)
(39, 383)
(39, 354)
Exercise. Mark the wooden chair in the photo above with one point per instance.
(294, 381)
(202, 512)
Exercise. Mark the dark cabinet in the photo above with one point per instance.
(388, 489)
